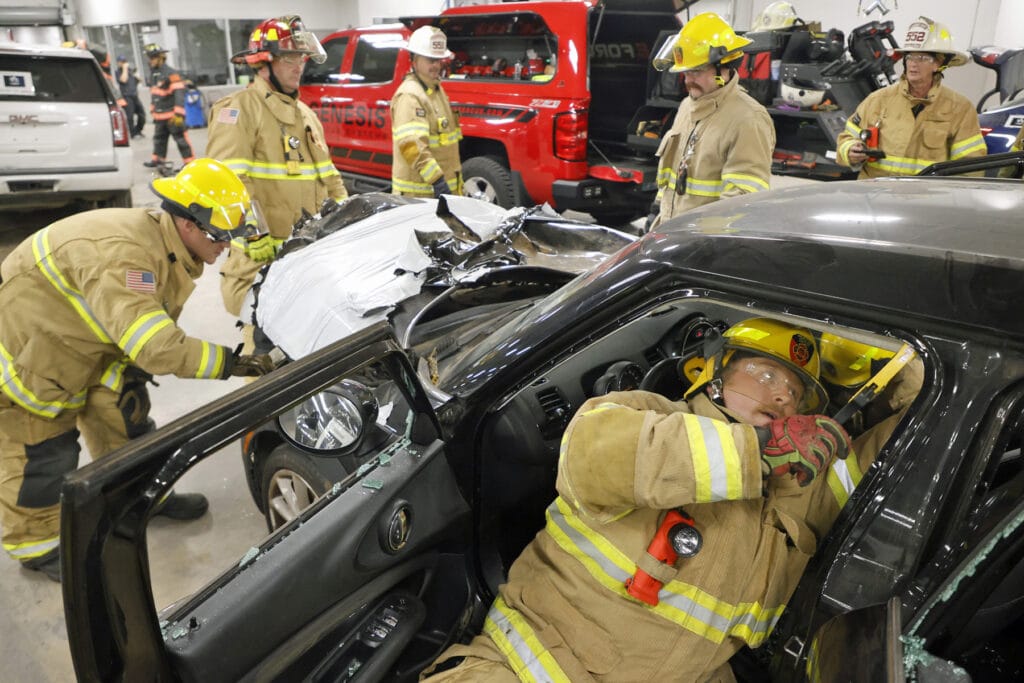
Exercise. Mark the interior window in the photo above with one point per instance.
(330, 70)
(375, 60)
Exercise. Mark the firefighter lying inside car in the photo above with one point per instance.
(718, 500)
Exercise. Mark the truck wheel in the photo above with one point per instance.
(290, 484)
(487, 178)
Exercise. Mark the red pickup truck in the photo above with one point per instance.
(551, 97)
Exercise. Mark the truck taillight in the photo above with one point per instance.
(571, 135)
(119, 126)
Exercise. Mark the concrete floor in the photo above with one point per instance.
(183, 556)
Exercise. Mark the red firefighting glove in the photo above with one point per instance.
(802, 445)
(441, 187)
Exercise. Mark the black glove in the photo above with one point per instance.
(441, 187)
(252, 365)
(802, 445)
(651, 217)
(134, 401)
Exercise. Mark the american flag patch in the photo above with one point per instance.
(140, 281)
(228, 116)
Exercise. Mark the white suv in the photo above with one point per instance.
(63, 138)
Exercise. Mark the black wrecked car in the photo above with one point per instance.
(452, 441)
(425, 267)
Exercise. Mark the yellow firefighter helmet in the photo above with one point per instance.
(209, 193)
(793, 346)
(848, 363)
(705, 39)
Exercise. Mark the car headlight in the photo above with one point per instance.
(333, 421)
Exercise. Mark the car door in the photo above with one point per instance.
(338, 594)
(967, 629)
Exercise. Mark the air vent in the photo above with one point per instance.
(556, 412)
(653, 355)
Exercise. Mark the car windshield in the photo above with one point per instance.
(495, 333)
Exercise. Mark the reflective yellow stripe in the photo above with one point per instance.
(113, 376)
(973, 144)
(399, 185)
(716, 462)
(211, 361)
(270, 171)
(47, 265)
(688, 606)
(515, 639)
(431, 169)
(445, 139)
(901, 165)
(413, 129)
(141, 331)
(704, 187)
(26, 551)
(666, 178)
(11, 385)
(843, 478)
(747, 183)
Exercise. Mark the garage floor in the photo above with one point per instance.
(183, 555)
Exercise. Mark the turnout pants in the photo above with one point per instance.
(164, 128)
(36, 453)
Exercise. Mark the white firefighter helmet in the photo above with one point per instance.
(429, 41)
(775, 16)
(925, 35)
(802, 94)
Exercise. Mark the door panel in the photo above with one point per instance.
(367, 544)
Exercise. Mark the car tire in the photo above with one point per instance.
(290, 483)
(488, 179)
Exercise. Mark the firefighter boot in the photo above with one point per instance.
(48, 564)
(183, 506)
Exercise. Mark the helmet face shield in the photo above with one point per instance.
(222, 222)
(305, 43)
(668, 55)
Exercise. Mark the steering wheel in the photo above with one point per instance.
(666, 378)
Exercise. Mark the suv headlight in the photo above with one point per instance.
(333, 422)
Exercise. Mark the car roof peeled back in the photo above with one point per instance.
(54, 112)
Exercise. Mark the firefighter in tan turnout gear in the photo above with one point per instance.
(720, 144)
(917, 121)
(730, 473)
(275, 144)
(425, 130)
(87, 314)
